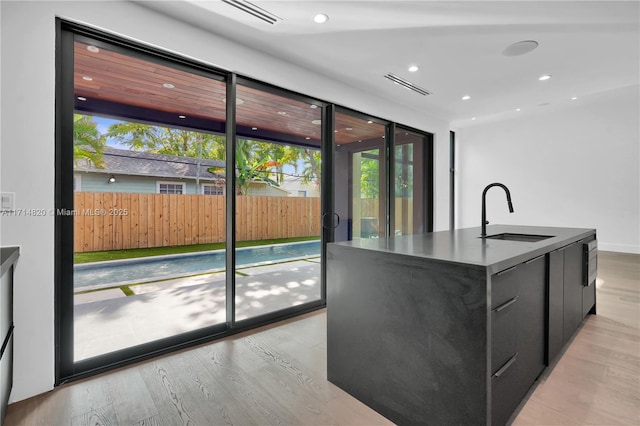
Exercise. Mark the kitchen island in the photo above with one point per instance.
(451, 328)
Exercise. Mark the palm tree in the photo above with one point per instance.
(169, 141)
(280, 154)
(312, 165)
(249, 168)
(88, 143)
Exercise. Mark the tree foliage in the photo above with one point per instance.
(169, 141)
(255, 160)
(88, 143)
(312, 159)
(250, 167)
(369, 175)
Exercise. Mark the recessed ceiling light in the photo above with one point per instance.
(93, 49)
(370, 121)
(520, 48)
(544, 77)
(254, 128)
(87, 78)
(320, 18)
(313, 106)
(574, 98)
(517, 109)
(81, 98)
(168, 85)
(349, 128)
(282, 113)
(473, 118)
(307, 138)
(182, 117)
(316, 121)
(414, 68)
(466, 97)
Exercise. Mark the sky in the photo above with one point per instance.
(103, 127)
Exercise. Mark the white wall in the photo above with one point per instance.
(574, 165)
(27, 141)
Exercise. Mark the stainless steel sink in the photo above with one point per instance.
(527, 238)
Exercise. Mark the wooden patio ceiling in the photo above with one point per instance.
(111, 83)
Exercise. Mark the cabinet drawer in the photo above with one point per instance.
(507, 391)
(503, 287)
(504, 332)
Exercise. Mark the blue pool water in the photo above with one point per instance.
(99, 274)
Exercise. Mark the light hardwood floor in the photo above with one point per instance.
(277, 375)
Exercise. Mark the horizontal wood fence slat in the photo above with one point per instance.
(116, 221)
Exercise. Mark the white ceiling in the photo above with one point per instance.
(587, 46)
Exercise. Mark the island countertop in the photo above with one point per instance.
(465, 246)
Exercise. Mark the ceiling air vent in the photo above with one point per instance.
(405, 83)
(254, 10)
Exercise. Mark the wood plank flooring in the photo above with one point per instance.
(277, 375)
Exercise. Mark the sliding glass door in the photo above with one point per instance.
(383, 182)
(174, 227)
(412, 182)
(148, 203)
(360, 177)
(277, 201)
(193, 203)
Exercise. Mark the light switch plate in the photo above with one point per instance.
(7, 201)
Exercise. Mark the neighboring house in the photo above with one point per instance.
(145, 172)
(266, 189)
(297, 188)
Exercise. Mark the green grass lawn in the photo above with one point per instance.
(97, 256)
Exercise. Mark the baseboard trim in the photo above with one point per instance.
(621, 248)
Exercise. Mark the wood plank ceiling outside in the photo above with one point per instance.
(127, 80)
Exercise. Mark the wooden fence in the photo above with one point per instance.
(115, 221)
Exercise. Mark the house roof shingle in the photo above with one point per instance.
(127, 162)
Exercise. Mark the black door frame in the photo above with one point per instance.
(65, 368)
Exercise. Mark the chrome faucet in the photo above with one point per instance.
(484, 205)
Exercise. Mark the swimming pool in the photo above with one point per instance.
(106, 274)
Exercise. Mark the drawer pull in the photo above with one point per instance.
(505, 304)
(533, 260)
(506, 270)
(506, 366)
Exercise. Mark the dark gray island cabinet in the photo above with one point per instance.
(450, 328)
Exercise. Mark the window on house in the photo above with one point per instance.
(302, 193)
(171, 188)
(208, 189)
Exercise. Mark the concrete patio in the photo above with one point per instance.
(109, 320)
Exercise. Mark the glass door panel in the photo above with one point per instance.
(410, 182)
(149, 202)
(277, 223)
(360, 178)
